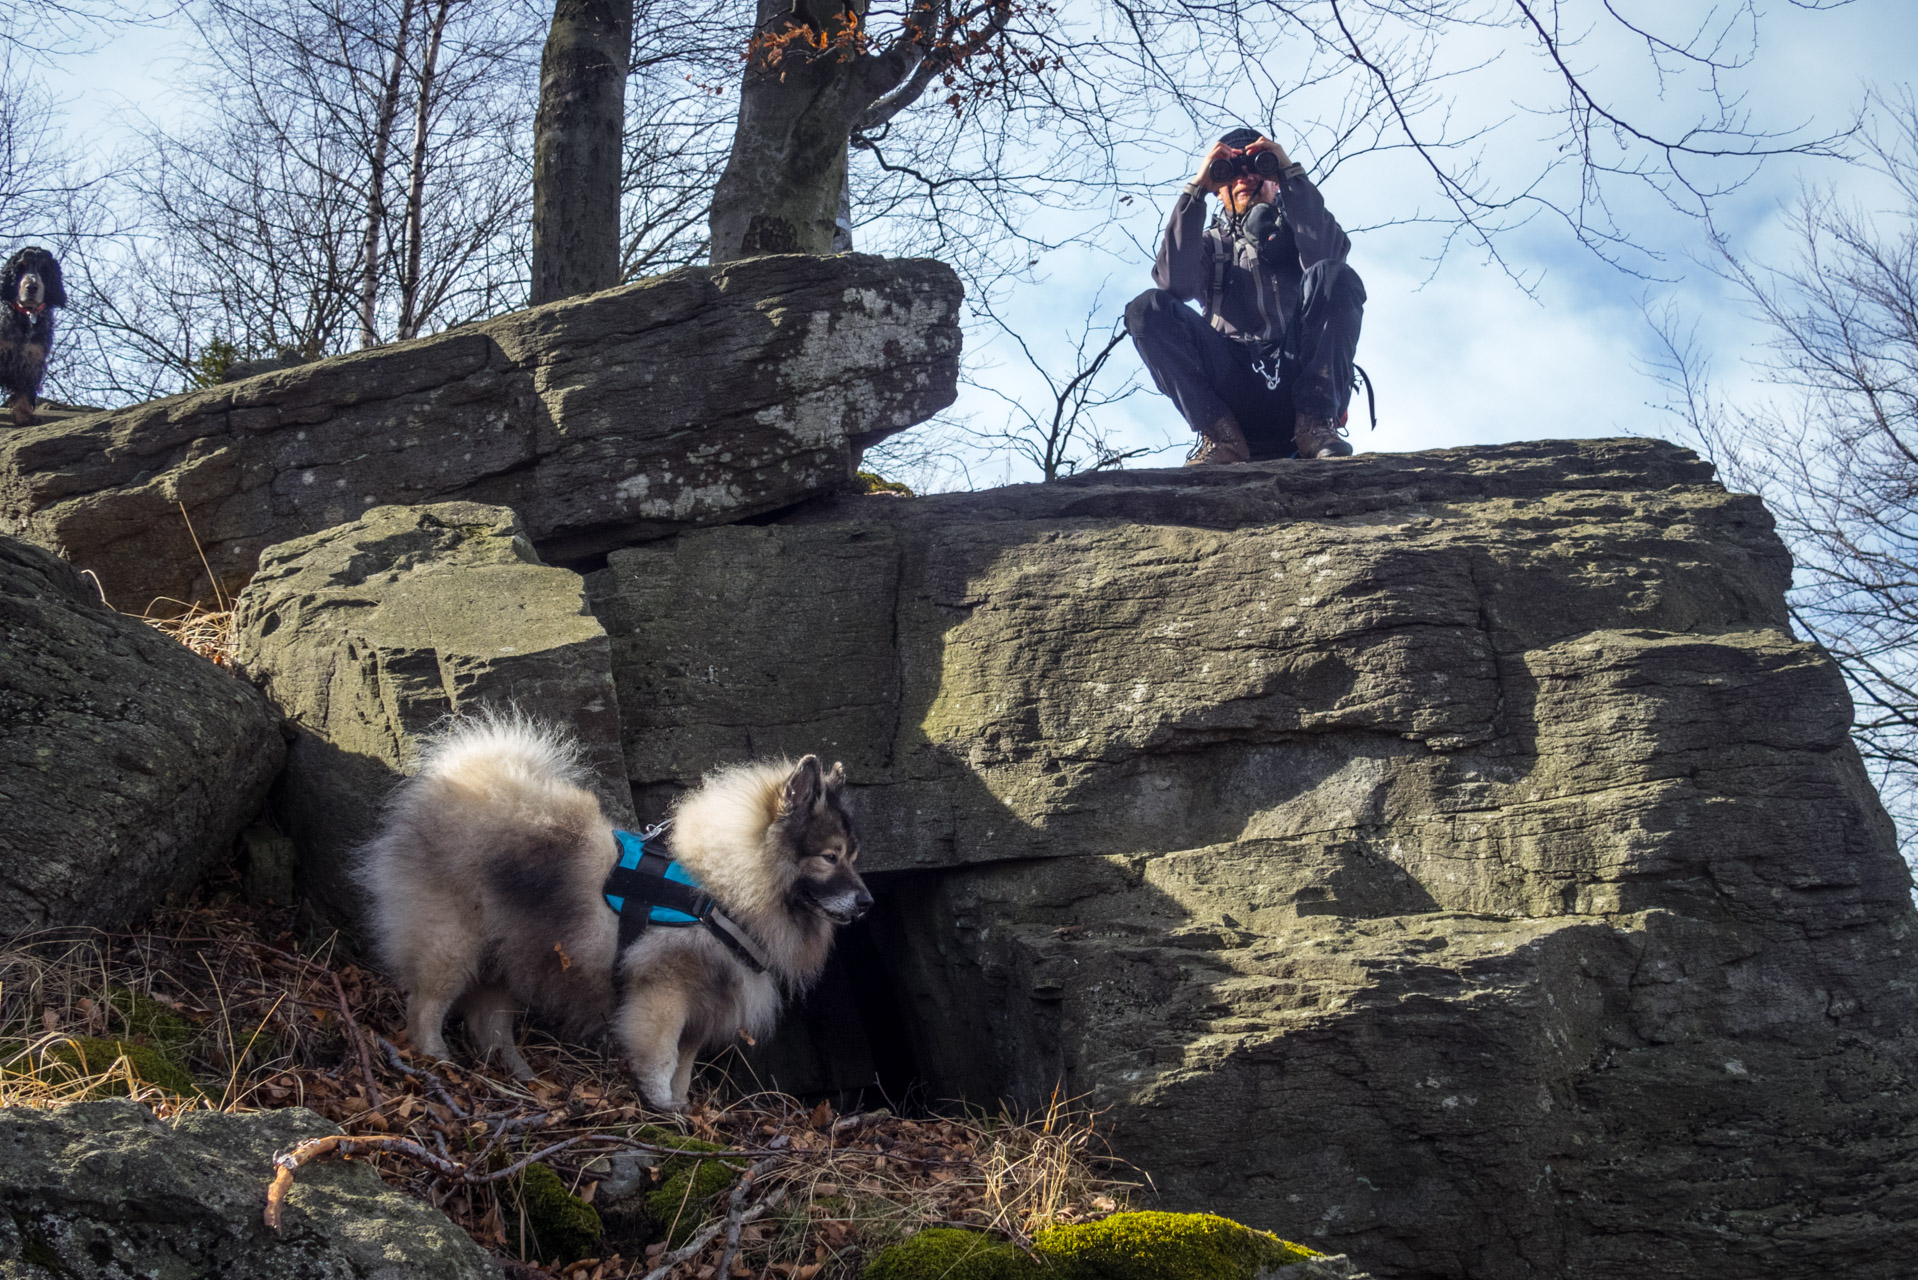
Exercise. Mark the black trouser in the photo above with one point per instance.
(1208, 374)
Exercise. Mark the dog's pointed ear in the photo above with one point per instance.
(836, 777)
(802, 786)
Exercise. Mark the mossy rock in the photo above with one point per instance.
(1163, 1246)
(148, 1021)
(873, 482)
(686, 1183)
(559, 1225)
(93, 1054)
(1126, 1246)
(947, 1253)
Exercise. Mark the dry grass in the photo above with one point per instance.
(263, 1023)
(208, 632)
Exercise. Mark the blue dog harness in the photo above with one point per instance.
(646, 888)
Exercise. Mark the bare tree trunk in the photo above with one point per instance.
(416, 178)
(815, 77)
(780, 191)
(389, 108)
(577, 148)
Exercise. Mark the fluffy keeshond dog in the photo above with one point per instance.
(486, 885)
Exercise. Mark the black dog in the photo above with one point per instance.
(32, 288)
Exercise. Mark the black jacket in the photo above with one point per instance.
(1259, 289)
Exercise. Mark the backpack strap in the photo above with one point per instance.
(1221, 258)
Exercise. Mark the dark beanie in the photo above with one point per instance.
(1241, 138)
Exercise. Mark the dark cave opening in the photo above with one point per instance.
(849, 1040)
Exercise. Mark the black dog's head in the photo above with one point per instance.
(32, 281)
(816, 833)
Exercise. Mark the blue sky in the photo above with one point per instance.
(1460, 354)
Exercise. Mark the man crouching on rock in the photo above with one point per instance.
(1268, 371)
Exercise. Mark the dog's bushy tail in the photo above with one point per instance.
(509, 745)
(495, 772)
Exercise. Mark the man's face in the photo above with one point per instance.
(1248, 189)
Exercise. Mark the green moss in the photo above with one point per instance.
(148, 1021)
(946, 1253)
(558, 1223)
(92, 1055)
(873, 482)
(1126, 1246)
(1163, 1246)
(678, 1204)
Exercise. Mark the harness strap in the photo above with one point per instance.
(647, 888)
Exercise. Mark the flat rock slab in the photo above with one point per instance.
(1451, 858)
(128, 763)
(370, 634)
(699, 397)
(104, 1190)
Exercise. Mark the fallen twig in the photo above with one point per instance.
(706, 1234)
(736, 1212)
(434, 1084)
(359, 1044)
(313, 1148)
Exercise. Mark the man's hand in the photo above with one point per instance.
(1219, 151)
(1266, 144)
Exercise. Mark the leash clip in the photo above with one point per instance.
(1271, 376)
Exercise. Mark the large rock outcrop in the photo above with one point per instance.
(698, 397)
(128, 764)
(369, 634)
(103, 1191)
(1450, 859)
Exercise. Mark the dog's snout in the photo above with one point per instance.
(31, 289)
(861, 901)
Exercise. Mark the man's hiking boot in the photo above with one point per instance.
(1318, 437)
(1222, 442)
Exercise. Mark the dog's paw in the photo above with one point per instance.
(661, 1100)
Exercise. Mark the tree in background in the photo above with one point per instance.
(578, 145)
(819, 72)
(359, 173)
(1833, 449)
(1062, 435)
(39, 172)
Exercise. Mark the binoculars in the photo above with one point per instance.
(1226, 168)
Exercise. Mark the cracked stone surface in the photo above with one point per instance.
(702, 396)
(128, 763)
(104, 1190)
(1448, 859)
(369, 634)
